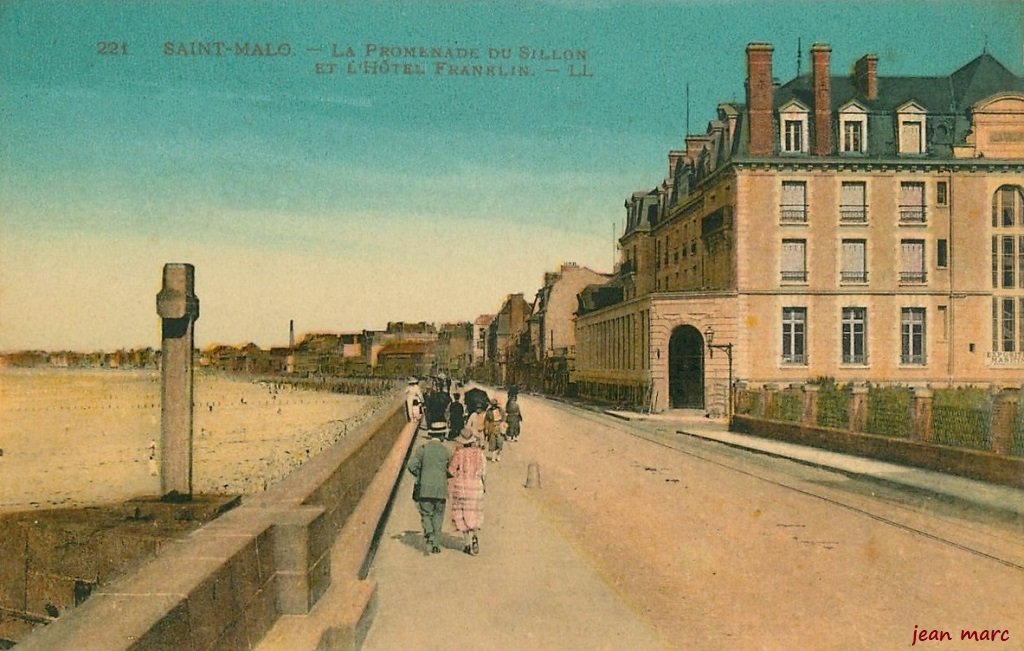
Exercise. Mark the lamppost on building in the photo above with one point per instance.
(709, 337)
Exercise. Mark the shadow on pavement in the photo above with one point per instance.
(415, 540)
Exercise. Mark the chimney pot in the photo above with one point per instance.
(822, 83)
(865, 76)
(759, 99)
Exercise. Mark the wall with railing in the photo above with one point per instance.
(976, 432)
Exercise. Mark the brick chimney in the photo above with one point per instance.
(865, 76)
(759, 99)
(820, 53)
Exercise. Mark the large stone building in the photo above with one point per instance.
(860, 227)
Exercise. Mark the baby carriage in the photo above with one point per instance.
(435, 412)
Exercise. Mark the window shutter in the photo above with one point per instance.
(853, 194)
(853, 256)
(793, 193)
(913, 256)
(793, 255)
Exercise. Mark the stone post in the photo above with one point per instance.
(857, 410)
(1004, 413)
(178, 307)
(809, 414)
(922, 415)
(767, 399)
(741, 397)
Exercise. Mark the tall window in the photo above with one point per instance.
(794, 202)
(853, 128)
(1009, 262)
(1008, 269)
(942, 253)
(912, 340)
(793, 128)
(912, 268)
(854, 262)
(910, 138)
(912, 202)
(911, 123)
(1004, 324)
(854, 335)
(794, 333)
(794, 261)
(853, 137)
(853, 202)
(794, 136)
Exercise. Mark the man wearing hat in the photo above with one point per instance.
(429, 465)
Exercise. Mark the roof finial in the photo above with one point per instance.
(984, 50)
(799, 55)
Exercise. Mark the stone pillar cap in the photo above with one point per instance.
(178, 299)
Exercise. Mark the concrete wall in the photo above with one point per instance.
(225, 586)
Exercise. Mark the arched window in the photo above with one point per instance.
(1008, 206)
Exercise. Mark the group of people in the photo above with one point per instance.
(456, 476)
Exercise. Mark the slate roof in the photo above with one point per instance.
(947, 100)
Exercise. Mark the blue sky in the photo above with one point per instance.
(345, 201)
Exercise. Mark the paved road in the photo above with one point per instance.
(642, 538)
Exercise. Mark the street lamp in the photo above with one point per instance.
(709, 337)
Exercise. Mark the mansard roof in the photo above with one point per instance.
(955, 93)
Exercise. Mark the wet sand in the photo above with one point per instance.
(80, 437)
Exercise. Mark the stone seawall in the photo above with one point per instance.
(225, 585)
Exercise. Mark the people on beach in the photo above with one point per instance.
(494, 430)
(456, 417)
(513, 414)
(467, 471)
(429, 465)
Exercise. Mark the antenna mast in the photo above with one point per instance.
(799, 55)
(687, 110)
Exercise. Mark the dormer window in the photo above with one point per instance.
(793, 128)
(910, 119)
(853, 129)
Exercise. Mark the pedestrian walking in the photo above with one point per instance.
(494, 430)
(456, 417)
(476, 422)
(429, 465)
(413, 400)
(466, 487)
(513, 414)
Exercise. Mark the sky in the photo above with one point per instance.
(344, 200)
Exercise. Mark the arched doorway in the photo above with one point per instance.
(686, 368)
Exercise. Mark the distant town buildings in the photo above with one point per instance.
(541, 352)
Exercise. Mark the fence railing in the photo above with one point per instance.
(967, 417)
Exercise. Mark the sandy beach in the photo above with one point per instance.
(80, 437)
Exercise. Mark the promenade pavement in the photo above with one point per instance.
(534, 586)
(528, 588)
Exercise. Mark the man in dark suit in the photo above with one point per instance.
(429, 465)
(456, 418)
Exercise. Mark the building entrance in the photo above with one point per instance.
(686, 368)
